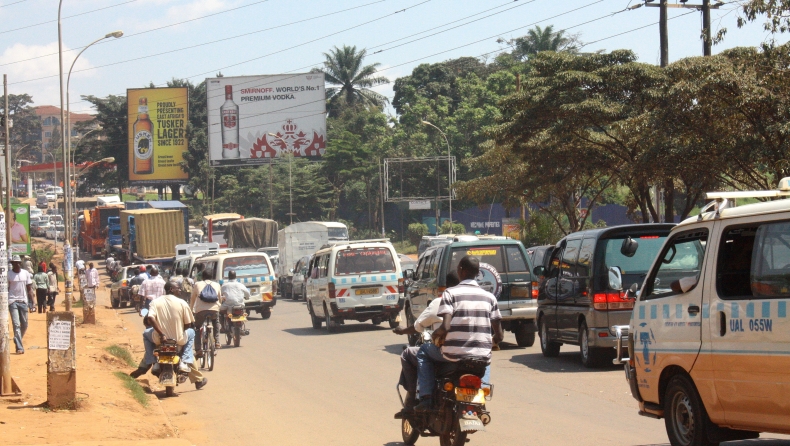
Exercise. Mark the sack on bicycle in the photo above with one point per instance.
(208, 294)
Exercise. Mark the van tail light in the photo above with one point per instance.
(469, 382)
(400, 286)
(331, 288)
(612, 300)
(534, 290)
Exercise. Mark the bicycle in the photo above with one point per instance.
(209, 348)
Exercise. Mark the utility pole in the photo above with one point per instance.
(663, 33)
(706, 42)
(7, 386)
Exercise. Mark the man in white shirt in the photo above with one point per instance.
(153, 287)
(428, 321)
(20, 291)
(80, 265)
(170, 318)
(92, 276)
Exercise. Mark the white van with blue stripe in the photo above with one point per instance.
(253, 269)
(357, 280)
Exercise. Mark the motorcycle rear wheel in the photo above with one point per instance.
(454, 438)
(410, 435)
(236, 335)
(212, 350)
(170, 391)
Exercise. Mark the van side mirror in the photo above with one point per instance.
(615, 278)
(629, 247)
(539, 271)
(633, 291)
(408, 274)
(291, 270)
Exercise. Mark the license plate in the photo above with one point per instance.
(238, 318)
(168, 360)
(366, 291)
(470, 395)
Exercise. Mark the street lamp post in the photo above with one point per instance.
(66, 158)
(449, 170)
(290, 182)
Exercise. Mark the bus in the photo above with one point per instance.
(214, 227)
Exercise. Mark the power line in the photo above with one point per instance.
(146, 31)
(67, 17)
(14, 3)
(635, 29)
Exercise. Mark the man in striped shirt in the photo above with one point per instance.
(470, 327)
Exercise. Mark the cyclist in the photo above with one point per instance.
(205, 304)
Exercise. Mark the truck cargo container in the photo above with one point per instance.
(151, 235)
(251, 234)
(302, 239)
(94, 228)
(167, 205)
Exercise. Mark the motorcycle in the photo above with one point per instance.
(167, 367)
(233, 323)
(458, 406)
(136, 298)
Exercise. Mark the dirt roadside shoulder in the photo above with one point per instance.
(106, 409)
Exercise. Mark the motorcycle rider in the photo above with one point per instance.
(206, 309)
(171, 319)
(428, 320)
(470, 316)
(152, 288)
(233, 294)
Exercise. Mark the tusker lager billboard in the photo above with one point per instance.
(254, 119)
(157, 120)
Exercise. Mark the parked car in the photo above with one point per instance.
(511, 281)
(253, 269)
(299, 278)
(119, 290)
(708, 337)
(357, 281)
(576, 305)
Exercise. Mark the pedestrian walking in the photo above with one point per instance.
(92, 276)
(41, 282)
(52, 275)
(28, 265)
(20, 291)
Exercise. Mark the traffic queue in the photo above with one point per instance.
(696, 312)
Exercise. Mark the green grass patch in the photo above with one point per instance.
(404, 247)
(77, 304)
(122, 354)
(137, 390)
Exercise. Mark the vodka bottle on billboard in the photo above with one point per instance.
(230, 125)
(143, 130)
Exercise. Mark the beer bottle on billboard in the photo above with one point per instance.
(230, 125)
(143, 130)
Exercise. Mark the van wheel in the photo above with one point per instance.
(376, 321)
(393, 321)
(684, 415)
(591, 357)
(549, 348)
(313, 318)
(524, 337)
(115, 303)
(331, 326)
(266, 313)
(304, 293)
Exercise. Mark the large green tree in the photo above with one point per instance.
(351, 80)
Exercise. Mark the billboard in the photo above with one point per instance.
(20, 229)
(254, 119)
(157, 119)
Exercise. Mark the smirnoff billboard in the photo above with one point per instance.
(253, 119)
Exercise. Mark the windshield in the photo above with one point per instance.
(649, 246)
(245, 266)
(486, 254)
(364, 260)
(337, 233)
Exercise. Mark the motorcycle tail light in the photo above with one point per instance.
(238, 312)
(486, 391)
(448, 386)
(125, 283)
(470, 382)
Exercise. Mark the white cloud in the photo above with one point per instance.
(44, 91)
(177, 12)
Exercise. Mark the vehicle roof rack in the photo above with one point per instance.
(331, 243)
(725, 200)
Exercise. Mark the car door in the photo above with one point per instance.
(567, 289)
(668, 328)
(547, 297)
(427, 284)
(749, 328)
(312, 290)
(321, 283)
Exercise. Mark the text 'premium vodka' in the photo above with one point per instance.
(230, 125)
(143, 130)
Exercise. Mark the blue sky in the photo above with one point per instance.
(262, 38)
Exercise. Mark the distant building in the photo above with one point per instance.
(50, 123)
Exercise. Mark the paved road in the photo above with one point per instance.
(289, 384)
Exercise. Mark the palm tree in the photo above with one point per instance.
(543, 39)
(352, 82)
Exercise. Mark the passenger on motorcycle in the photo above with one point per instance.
(232, 295)
(206, 307)
(170, 319)
(470, 316)
(153, 287)
(426, 323)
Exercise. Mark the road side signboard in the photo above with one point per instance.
(419, 205)
(20, 229)
(254, 119)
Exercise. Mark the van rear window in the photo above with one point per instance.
(640, 262)
(486, 254)
(245, 266)
(364, 260)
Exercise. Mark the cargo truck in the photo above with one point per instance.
(151, 236)
(165, 205)
(251, 234)
(94, 228)
(214, 227)
(303, 239)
